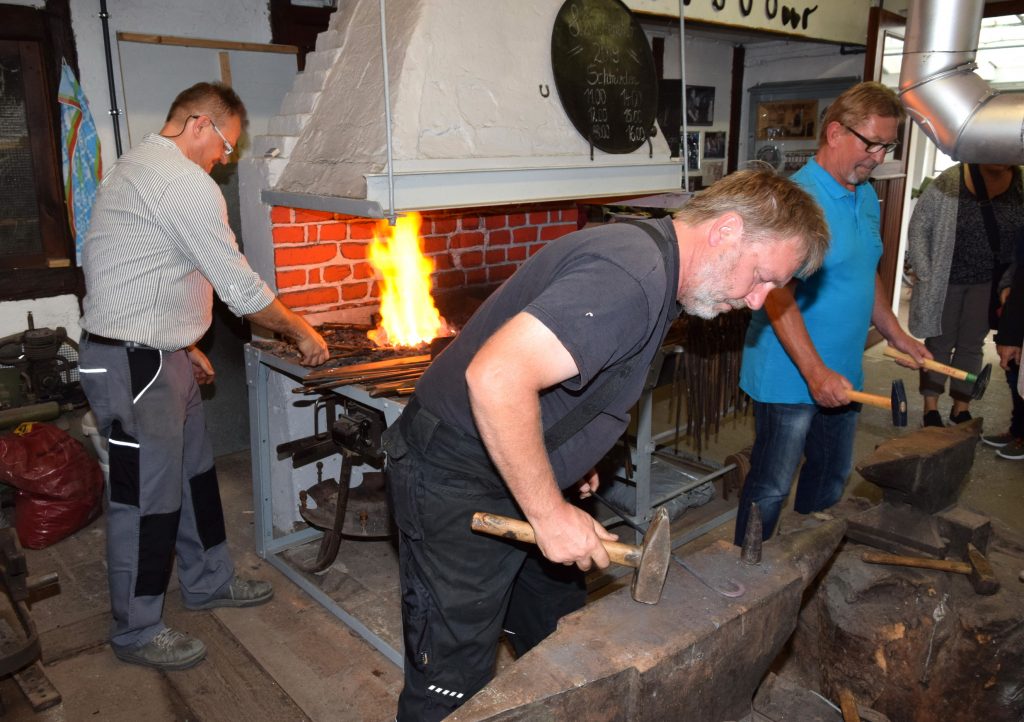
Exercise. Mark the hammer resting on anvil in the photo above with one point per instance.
(650, 560)
(977, 567)
(897, 401)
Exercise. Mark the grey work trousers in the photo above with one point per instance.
(163, 498)
(964, 328)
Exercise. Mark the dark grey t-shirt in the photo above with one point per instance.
(602, 292)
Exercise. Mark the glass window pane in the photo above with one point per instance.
(19, 213)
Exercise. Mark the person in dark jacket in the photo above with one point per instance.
(1009, 338)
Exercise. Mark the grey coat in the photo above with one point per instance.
(931, 236)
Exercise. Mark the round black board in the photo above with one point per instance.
(604, 73)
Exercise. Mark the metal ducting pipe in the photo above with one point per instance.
(964, 116)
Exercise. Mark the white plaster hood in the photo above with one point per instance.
(475, 116)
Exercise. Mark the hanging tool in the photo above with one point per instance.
(980, 380)
(650, 560)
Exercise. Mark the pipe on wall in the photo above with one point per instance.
(962, 114)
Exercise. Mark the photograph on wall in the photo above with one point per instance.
(693, 150)
(712, 171)
(787, 120)
(714, 144)
(670, 113)
(700, 105)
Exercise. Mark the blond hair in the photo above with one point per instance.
(773, 209)
(855, 105)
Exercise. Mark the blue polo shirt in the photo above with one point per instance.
(836, 302)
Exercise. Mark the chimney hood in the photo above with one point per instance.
(473, 116)
(962, 114)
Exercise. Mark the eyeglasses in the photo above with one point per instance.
(228, 148)
(870, 146)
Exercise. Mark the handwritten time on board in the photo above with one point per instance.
(604, 73)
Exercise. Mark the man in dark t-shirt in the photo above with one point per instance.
(487, 429)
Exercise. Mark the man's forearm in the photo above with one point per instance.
(278, 317)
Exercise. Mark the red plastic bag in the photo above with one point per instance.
(59, 484)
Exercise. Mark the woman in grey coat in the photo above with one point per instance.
(952, 258)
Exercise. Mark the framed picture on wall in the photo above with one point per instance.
(714, 144)
(787, 120)
(700, 105)
(712, 170)
(693, 150)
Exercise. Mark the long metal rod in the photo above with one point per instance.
(392, 216)
(115, 112)
(684, 151)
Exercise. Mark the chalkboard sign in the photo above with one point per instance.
(604, 73)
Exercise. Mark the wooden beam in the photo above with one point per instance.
(207, 43)
(225, 67)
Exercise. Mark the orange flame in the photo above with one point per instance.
(408, 314)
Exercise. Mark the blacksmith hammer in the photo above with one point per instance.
(650, 560)
(897, 401)
(977, 567)
(980, 380)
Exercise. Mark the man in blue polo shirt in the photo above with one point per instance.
(803, 349)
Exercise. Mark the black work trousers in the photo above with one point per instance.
(461, 589)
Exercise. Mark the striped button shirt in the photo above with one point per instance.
(158, 245)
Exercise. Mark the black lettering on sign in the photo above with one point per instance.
(604, 73)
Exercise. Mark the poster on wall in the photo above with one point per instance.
(693, 150)
(714, 144)
(787, 120)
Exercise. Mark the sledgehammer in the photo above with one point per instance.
(897, 401)
(980, 380)
(650, 559)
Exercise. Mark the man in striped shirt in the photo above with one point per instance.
(158, 246)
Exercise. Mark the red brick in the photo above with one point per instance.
(354, 291)
(500, 273)
(332, 231)
(280, 214)
(499, 238)
(550, 233)
(517, 253)
(538, 217)
(470, 223)
(442, 262)
(314, 275)
(527, 234)
(476, 276)
(569, 215)
(304, 216)
(494, 256)
(536, 247)
(435, 244)
(289, 234)
(451, 279)
(310, 297)
(353, 250)
(361, 231)
(337, 272)
(517, 219)
(362, 271)
(467, 240)
(471, 259)
(305, 255)
(498, 221)
(288, 279)
(443, 225)
(375, 290)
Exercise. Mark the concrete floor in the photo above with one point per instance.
(290, 659)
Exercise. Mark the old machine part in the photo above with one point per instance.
(649, 560)
(19, 640)
(46, 361)
(353, 432)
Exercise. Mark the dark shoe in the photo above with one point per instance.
(998, 440)
(960, 418)
(932, 418)
(1014, 451)
(170, 651)
(239, 593)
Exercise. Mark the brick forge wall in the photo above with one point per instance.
(322, 258)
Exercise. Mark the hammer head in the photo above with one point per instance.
(649, 577)
(899, 403)
(983, 579)
(981, 383)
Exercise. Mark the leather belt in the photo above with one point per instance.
(96, 338)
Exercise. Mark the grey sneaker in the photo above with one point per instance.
(239, 593)
(1013, 451)
(170, 650)
(998, 440)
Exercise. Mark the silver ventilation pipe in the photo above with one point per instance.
(964, 116)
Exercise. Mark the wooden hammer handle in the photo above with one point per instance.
(942, 565)
(932, 365)
(502, 526)
(882, 402)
